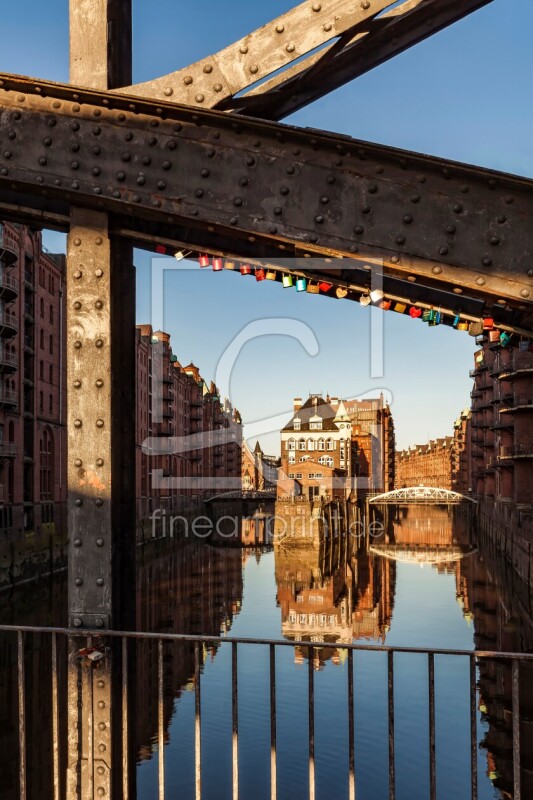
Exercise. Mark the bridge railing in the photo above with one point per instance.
(68, 674)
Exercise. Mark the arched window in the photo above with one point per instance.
(330, 444)
(326, 461)
(47, 465)
(41, 401)
(51, 373)
(321, 444)
(291, 444)
(301, 444)
(42, 308)
(310, 444)
(41, 339)
(51, 315)
(41, 370)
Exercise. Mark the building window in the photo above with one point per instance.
(41, 339)
(319, 475)
(299, 476)
(292, 459)
(51, 373)
(301, 444)
(51, 344)
(42, 308)
(51, 404)
(41, 401)
(310, 444)
(291, 475)
(291, 444)
(47, 466)
(51, 315)
(321, 444)
(330, 444)
(326, 461)
(41, 370)
(297, 424)
(316, 426)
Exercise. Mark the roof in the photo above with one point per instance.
(314, 406)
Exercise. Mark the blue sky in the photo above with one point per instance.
(464, 94)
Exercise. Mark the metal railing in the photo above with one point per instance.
(74, 637)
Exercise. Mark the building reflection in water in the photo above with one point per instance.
(335, 589)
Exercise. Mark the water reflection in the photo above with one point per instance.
(426, 580)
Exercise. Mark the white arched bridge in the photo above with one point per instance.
(421, 495)
(413, 554)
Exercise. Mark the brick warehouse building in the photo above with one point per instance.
(33, 392)
(171, 400)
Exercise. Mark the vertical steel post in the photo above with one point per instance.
(100, 312)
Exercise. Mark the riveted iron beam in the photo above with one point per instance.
(261, 53)
(281, 188)
(372, 43)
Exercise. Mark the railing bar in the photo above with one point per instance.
(351, 730)
(182, 637)
(432, 762)
(273, 726)
(516, 731)
(392, 776)
(125, 722)
(55, 719)
(311, 700)
(161, 721)
(22, 714)
(473, 728)
(197, 723)
(87, 675)
(235, 722)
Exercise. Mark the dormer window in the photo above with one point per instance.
(316, 426)
(297, 424)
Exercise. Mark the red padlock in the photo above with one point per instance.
(415, 312)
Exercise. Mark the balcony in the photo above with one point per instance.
(8, 361)
(9, 288)
(8, 324)
(517, 451)
(8, 398)
(520, 402)
(521, 364)
(8, 450)
(481, 367)
(8, 248)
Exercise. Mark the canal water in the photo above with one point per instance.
(428, 582)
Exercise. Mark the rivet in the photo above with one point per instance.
(319, 219)
(98, 273)
(78, 582)
(99, 343)
(74, 165)
(168, 92)
(273, 229)
(217, 87)
(99, 383)
(100, 791)
(101, 704)
(43, 161)
(161, 185)
(436, 270)
(77, 622)
(324, 199)
(411, 278)
(280, 28)
(457, 290)
(77, 274)
(78, 462)
(97, 131)
(99, 462)
(141, 180)
(99, 304)
(77, 305)
(77, 344)
(126, 157)
(121, 176)
(395, 259)
(99, 581)
(359, 229)
(458, 208)
(77, 423)
(407, 219)
(501, 219)
(78, 502)
(99, 240)
(372, 188)
(101, 685)
(284, 190)
(166, 164)
(205, 173)
(99, 423)
(77, 542)
(200, 98)
(278, 211)
(328, 26)
(487, 262)
(75, 184)
(451, 229)
(96, 171)
(233, 220)
(254, 69)
(290, 48)
(525, 293)
(443, 251)
(317, 7)
(243, 49)
(250, 161)
(99, 501)
(237, 201)
(400, 240)
(530, 273)
(480, 281)
(290, 170)
(77, 384)
(102, 726)
(495, 240)
(99, 542)
(365, 4)
(200, 193)
(509, 200)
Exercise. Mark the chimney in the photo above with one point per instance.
(297, 404)
(334, 402)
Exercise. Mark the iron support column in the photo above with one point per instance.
(100, 313)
